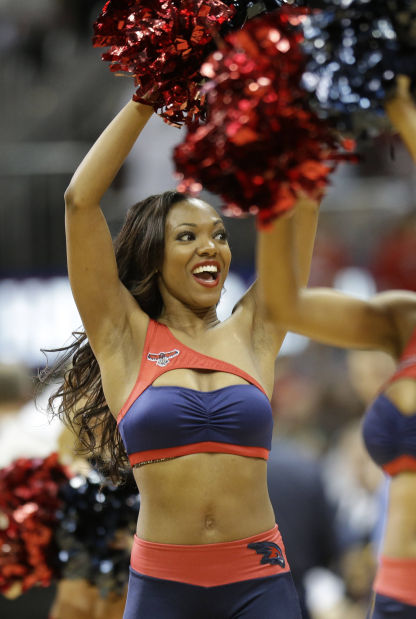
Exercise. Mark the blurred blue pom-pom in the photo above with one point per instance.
(356, 48)
(96, 525)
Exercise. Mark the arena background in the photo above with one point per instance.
(56, 97)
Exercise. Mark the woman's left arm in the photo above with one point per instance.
(272, 332)
(324, 314)
(305, 221)
(272, 245)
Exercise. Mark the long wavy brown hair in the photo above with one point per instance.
(79, 400)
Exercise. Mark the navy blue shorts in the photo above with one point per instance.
(387, 608)
(273, 597)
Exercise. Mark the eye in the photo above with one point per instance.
(221, 235)
(186, 236)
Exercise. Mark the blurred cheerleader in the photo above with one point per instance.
(385, 322)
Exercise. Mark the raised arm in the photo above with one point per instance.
(319, 313)
(304, 230)
(323, 314)
(305, 221)
(401, 111)
(103, 302)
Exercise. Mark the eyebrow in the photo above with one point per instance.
(215, 223)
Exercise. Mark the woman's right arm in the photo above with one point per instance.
(103, 302)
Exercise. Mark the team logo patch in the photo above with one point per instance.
(272, 553)
(162, 358)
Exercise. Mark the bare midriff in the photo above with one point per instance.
(203, 498)
(400, 533)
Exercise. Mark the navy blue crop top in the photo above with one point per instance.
(159, 423)
(389, 435)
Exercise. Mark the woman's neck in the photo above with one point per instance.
(189, 320)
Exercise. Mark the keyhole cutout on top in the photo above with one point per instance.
(199, 380)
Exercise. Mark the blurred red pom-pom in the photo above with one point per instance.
(28, 514)
(262, 145)
(162, 44)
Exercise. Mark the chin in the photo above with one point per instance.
(205, 301)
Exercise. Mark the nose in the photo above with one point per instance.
(207, 248)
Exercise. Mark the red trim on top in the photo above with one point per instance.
(204, 447)
(405, 369)
(400, 465)
(136, 391)
(410, 349)
(159, 338)
(396, 578)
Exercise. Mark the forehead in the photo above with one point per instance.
(192, 211)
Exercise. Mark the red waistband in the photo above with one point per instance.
(210, 565)
(153, 455)
(396, 578)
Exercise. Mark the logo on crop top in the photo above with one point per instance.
(272, 553)
(162, 358)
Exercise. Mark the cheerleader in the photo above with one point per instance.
(385, 322)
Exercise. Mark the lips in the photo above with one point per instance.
(208, 273)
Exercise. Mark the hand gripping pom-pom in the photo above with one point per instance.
(261, 144)
(28, 514)
(162, 44)
(356, 49)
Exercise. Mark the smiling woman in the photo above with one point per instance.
(196, 248)
(158, 381)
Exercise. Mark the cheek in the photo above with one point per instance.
(227, 258)
(173, 267)
(170, 274)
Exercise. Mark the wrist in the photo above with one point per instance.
(307, 204)
(141, 108)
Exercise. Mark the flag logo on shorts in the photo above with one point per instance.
(272, 553)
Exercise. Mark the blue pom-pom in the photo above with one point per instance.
(96, 515)
(356, 49)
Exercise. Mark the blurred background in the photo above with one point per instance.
(57, 96)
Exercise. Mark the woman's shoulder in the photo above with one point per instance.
(401, 308)
(266, 336)
(125, 348)
(246, 306)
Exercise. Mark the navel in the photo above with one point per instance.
(209, 522)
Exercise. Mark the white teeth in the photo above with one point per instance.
(210, 268)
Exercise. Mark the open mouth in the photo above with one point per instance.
(207, 274)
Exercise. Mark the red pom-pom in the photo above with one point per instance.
(28, 505)
(262, 144)
(162, 44)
